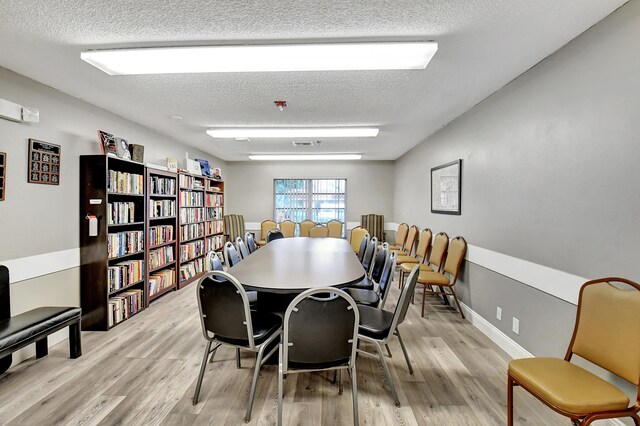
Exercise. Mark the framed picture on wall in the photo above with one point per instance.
(446, 187)
(44, 163)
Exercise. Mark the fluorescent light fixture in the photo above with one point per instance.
(264, 58)
(304, 157)
(293, 132)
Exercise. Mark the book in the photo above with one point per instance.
(204, 167)
(172, 164)
(107, 143)
(122, 148)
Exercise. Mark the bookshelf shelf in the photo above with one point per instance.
(162, 244)
(162, 292)
(115, 225)
(110, 259)
(127, 287)
(162, 217)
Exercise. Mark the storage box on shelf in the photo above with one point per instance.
(192, 219)
(113, 268)
(162, 225)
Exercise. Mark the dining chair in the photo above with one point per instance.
(401, 236)
(241, 247)
(364, 243)
(288, 228)
(230, 254)
(448, 277)
(376, 297)
(369, 254)
(435, 260)
(274, 234)
(308, 344)
(319, 231)
(370, 280)
(410, 241)
(265, 227)
(378, 326)
(605, 334)
(226, 319)
(251, 242)
(356, 236)
(304, 227)
(335, 228)
(213, 262)
(420, 256)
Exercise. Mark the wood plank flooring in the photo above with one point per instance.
(143, 372)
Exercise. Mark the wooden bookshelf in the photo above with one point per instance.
(162, 233)
(214, 213)
(112, 272)
(191, 233)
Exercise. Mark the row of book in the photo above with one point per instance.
(191, 199)
(191, 269)
(191, 214)
(121, 213)
(213, 213)
(122, 243)
(214, 243)
(124, 274)
(191, 250)
(162, 208)
(162, 186)
(125, 183)
(160, 257)
(191, 182)
(213, 200)
(161, 280)
(124, 305)
(214, 227)
(160, 234)
(191, 231)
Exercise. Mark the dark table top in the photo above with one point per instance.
(292, 265)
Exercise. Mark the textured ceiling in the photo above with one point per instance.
(483, 44)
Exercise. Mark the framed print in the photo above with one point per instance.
(44, 163)
(446, 188)
(3, 174)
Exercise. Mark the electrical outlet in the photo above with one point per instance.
(516, 325)
(499, 313)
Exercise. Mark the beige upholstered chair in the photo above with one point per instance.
(606, 333)
(449, 275)
(288, 228)
(335, 228)
(401, 236)
(305, 225)
(410, 241)
(357, 234)
(266, 226)
(319, 231)
(406, 262)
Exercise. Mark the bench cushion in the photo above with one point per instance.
(31, 323)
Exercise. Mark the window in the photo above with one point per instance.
(319, 200)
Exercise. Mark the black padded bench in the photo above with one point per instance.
(34, 326)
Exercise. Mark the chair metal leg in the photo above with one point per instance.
(238, 357)
(256, 373)
(453, 292)
(636, 419)
(203, 367)
(424, 298)
(387, 373)
(213, 353)
(354, 394)
(340, 385)
(388, 350)
(509, 401)
(280, 386)
(404, 351)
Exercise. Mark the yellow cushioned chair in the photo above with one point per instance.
(409, 242)
(606, 333)
(357, 234)
(449, 275)
(265, 227)
(424, 243)
(305, 225)
(319, 231)
(401, 236)
(434, 263)
(287, 228)
(335, 228)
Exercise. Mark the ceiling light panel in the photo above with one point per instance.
(293, 132)
(303, 157)
(263, 58)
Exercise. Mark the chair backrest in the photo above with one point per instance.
(5, 299)
(424, 243)
(224, 309)
(357, 234)
(607, 327)
(265, 227)
(251, 242)
(288, 228)
(455, 255)
(401, 234)
(364, 243)
(312, 344)
(405, 298)
(242, 248)
(412, 235)
(319, 231)
(335, 228)
(234, 226)
(231, 257)
(379, 262)
(387, 277)
(213, 262)
(439, 249)
(375, 224)
(274, 234)
(305, 225)
(369, 254)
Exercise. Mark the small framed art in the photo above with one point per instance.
(44, 163)
(3, 174)
(446, 188)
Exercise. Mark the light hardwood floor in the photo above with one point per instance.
(143, 372)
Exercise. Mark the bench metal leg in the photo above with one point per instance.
(75, 341)
(42, 347)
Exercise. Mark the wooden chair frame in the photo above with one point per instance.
(631, 411)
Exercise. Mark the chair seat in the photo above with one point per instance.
(363, 296)
(261, 242)
(430, 277)
(374, 322)
(408, 267)
(567, 386)
(398, 251)
(264, 325)
(366, 284)
(31, 323)
(406, 259)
